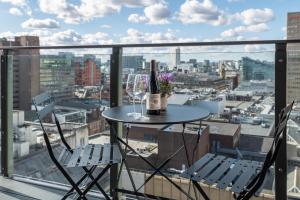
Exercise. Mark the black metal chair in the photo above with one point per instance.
(86, 157)
(245, 178)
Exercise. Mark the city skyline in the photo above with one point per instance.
(148, 21)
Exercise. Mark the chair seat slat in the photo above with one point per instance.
(116, 154)
(74, 158)
(96, 155)
(220, 171)
(86, 155)
(106, 153)
(209, 168)
(231, 175)
(62, 154)
(244, 179)
(197, 165)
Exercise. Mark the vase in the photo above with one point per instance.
(163, 103)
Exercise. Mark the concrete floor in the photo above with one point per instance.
(14, 190)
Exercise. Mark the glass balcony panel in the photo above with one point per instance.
(293, 94)
(79, 82)
(235, 83)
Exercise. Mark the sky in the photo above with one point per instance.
(78, 22)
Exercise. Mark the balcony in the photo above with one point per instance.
(243, 103)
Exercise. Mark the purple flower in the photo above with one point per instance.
(167, 77)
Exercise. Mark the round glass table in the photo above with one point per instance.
(175, 114)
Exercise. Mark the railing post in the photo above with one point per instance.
(280, 102)
(6, 114)
(115, 100)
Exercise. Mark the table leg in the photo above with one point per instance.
(125, 150)
(160, 167)
(123, 154)
(153, 167)
(195, 184)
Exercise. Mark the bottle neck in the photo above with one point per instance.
(152, 66)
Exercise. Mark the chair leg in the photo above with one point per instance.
(204, 195)
(82, 178)
(68, 177)
(97, 184)
(91, 184)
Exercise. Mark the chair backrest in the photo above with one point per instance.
(44, 105)
(257, 182)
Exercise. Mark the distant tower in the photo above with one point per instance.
(222, 71)
(176, 58)
(293, 55)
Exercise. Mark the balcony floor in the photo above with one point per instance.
(13, 190)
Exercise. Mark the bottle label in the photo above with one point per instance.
(153, 101)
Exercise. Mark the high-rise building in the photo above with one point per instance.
(26, 71)
(57, 75)
(293, 57)
(90, 74)
(256, 70)
(176, 58)
(135, 62)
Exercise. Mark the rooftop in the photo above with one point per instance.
(222, 128)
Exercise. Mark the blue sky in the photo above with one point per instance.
(66, 22)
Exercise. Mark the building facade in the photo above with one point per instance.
(57, 75)
(135, 62)
(256, 70)
(90, 75)
(293, 57)
(26, 71)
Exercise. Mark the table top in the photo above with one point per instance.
(175, 114)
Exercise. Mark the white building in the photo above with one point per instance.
(27, 133)
(186, 68)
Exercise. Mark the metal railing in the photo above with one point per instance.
(116, 96)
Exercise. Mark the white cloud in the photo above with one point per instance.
(71, 37)
(86, 10)
(97, 8)
(135, 36)
(40, 23)
(62, 9)
(232, 1)
(96, 38)
(106, 26)
(255, 16)
(23, 7)
(67, 37)
(136, 18)
(74, 14)
(154, 14)
(244, 29)
(157, 13)
(195, 11)
(15, 11)
(138, 3)
(15, 2)
(254, 48)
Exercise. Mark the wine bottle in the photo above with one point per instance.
(153, 93)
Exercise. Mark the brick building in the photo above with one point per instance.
(88, 75)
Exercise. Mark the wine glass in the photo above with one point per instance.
(140, 89)
(130, 91)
